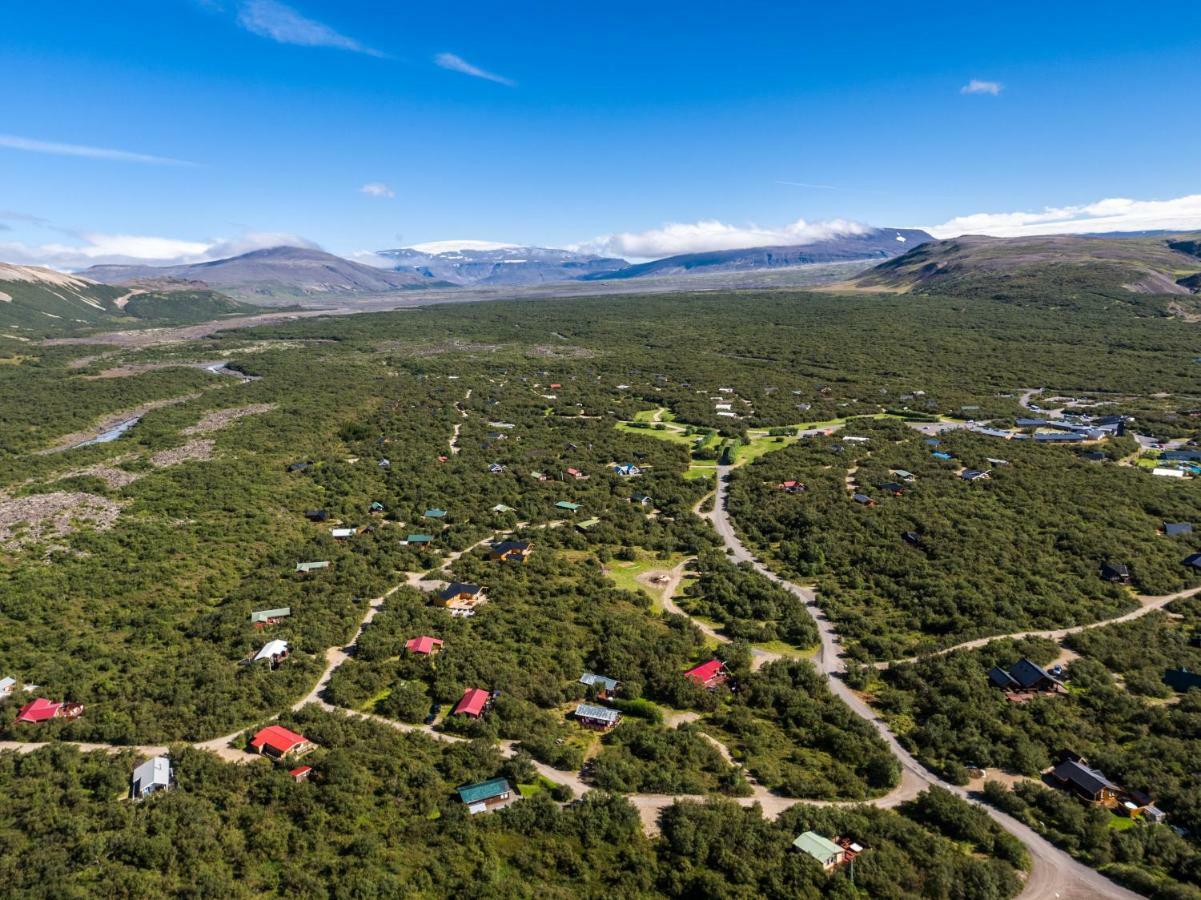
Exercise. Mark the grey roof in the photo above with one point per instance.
(152, 774)
(1083, 777)
(7, 684)
(861, 498)
(599, 713)
(1175, 528)
(602, 681)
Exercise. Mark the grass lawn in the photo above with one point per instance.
(758, 447)
(701, 470)
(369, 704)
(786, 649)
(625, 574)
(1120, 823)
(664, 434)
(648, 415)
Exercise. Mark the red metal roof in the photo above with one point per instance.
(423, 644)
(300, 771)
(705, 672)
(277, 738)
(473, 702)
(39, 710)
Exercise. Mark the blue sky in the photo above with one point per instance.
(640, 129)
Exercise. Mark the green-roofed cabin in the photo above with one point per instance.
(270, 616)
(570, 507)
(827, 853)
(419, 539)
(435, 513)
(485, 795)
(587, 524)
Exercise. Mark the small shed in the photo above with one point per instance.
(1118, 573)
(305, 567)
(151, 776)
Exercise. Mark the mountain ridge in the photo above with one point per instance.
(474, 263)
(274, 275)
(877, 243)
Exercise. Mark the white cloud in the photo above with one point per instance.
(976, 86)
(274, 20)
(710, 234)
(95, 248)
(377, 189)
(1115, 214)
(458, 64)
(14, 142)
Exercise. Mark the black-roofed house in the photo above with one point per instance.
(892, 487)
(1182, 680)
(1024, 679)
(974, 475)
(1193, 561)
(863, 499)
(912, 538)
(511, 551)
(461, 599)
(1087, 782)
(316, 515)
(1118, 573)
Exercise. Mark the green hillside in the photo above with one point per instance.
(1051, 270)
(37, 303)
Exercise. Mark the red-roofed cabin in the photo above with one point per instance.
(425, 646)
(791, 487)
(278, 742)
(301, 773)
(555, 386)
(708, 675)
(474, 702)
(39, 710)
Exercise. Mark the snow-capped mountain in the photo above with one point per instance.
(487, 263)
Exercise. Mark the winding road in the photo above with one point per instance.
(1053, 874)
